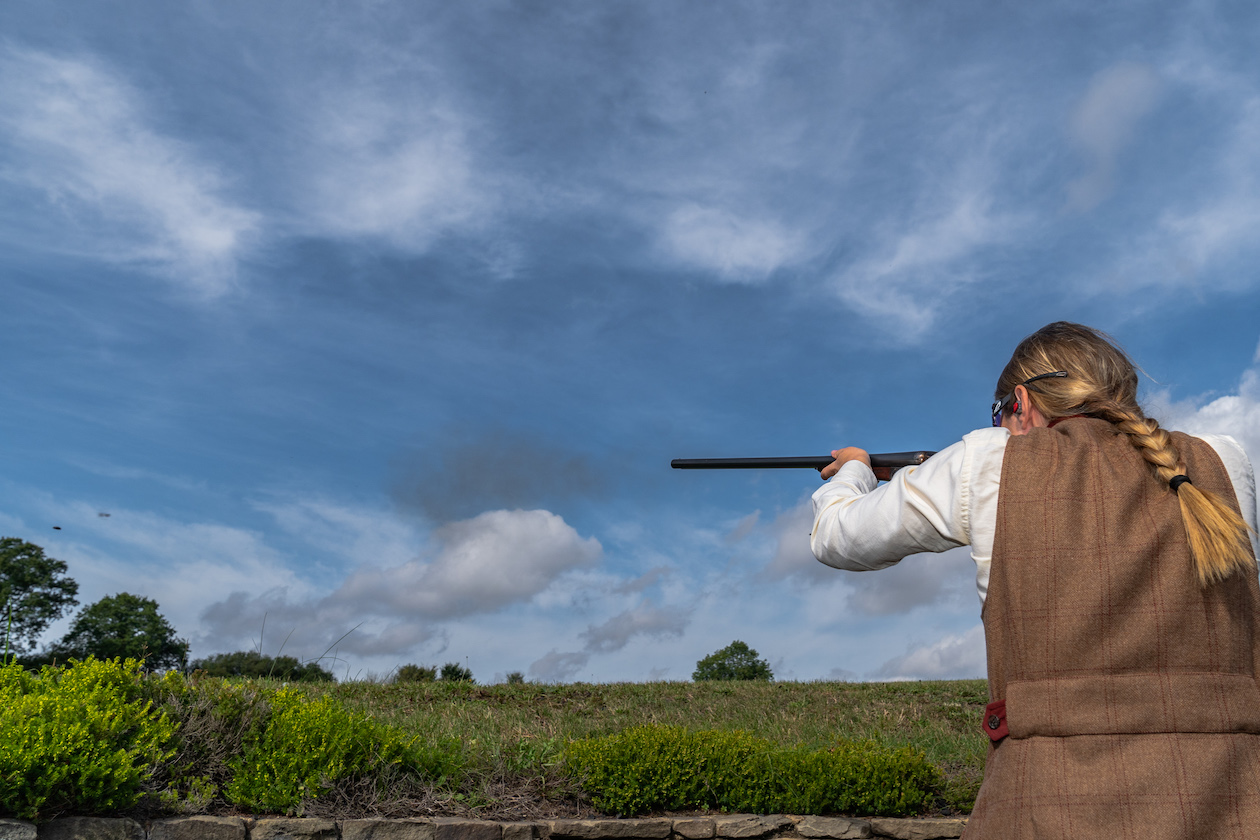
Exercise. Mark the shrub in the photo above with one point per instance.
(241, 743)
(654, 768)
(215, 718)
(454, 672)
(415, 673)
(516, 678)
(304, 748)
(77, 738)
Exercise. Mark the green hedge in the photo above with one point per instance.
(87, 739)
(305, 748)
(667, 768)
(77, 739)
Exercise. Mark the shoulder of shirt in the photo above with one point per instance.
(994, 437)
(1224, 444)
(980, 444)
(1231, 453)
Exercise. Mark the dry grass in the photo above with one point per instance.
(510, 736)
(497, 749)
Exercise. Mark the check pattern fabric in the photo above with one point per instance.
(1130, 691)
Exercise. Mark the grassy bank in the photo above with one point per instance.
(513, 732)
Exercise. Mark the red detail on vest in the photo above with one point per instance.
(995, 721)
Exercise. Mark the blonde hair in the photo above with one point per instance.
(1102, 382)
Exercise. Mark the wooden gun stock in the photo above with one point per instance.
(884, 464)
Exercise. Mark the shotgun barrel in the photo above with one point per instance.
(884, 464)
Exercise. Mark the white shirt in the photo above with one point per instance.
(950, 500)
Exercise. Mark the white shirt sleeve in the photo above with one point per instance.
(948, 501)
(859, 525)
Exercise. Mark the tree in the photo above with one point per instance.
(123, 625)
(250, 663)
(454, 672)
(736, 661)
(34, 592)
(516, 678)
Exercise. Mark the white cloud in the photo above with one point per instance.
(1104, 122)
(475, 567)
(736, 247)
(497, 558)
(115, 187)
(1236, 415)
(952, 657)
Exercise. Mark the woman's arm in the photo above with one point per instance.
(859, 525)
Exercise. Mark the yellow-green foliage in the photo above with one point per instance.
(304, 748)
(78, 738)
(650, 768)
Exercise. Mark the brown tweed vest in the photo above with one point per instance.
(1130, 692)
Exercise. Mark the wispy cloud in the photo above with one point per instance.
(951, 657)
(917, 581)
(114, 186)
(1224, 223)
(1104, 122)
(734, 247)
(390, 159)
(181, 563)
(909, 272)
(645, 619)
(557, 667)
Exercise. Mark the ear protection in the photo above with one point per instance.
(1015, 406)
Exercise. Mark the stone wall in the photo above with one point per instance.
(721, 827)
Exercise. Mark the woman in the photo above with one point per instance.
(1118, 579)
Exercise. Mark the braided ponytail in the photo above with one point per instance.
(1103, 383)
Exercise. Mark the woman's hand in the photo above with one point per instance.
(843, 456)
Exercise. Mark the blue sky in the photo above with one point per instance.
(385, 319)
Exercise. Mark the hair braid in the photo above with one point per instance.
(1102, 383)
(1145, 434)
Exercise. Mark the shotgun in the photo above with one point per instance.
(884, 465)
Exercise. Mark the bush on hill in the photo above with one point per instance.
(249, 663)
(415, 673)
(736, 661)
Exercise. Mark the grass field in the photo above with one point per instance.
(509, 736)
